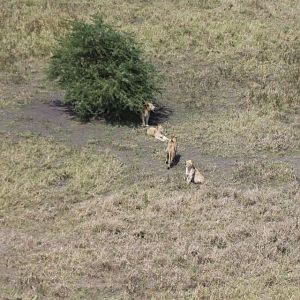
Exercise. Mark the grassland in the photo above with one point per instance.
(89, 211)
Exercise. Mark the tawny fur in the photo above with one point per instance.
(171, 151)
(148, 107)
(192, 174)
(156, 132)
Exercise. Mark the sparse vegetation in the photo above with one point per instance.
(260, 173)
(89, 211)
(238, 132)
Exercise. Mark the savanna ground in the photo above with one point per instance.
(89, 211)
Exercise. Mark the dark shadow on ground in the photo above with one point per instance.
(176, 160)
(68, 109)
(124, 119)
(160, 115)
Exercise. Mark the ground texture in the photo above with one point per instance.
(90, 211)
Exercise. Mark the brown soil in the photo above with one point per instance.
(50, 118)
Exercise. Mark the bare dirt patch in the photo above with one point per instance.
(53, 119)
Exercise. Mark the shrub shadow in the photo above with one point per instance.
(160, 115)
(65, 108)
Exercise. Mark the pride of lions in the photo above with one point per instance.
(192, 174)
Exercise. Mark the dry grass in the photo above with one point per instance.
(232, 79)
(36, 169)
(237, 133)
(251, 43)
(259, 173)
(82, 238)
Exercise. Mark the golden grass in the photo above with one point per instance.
(260, 173)
(143, 237)
(35, 171)
(237, 37)
(78, 224)
(236, 133)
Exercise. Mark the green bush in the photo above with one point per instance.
(102, 71)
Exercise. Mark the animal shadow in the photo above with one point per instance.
(160, 115)
(176, 160)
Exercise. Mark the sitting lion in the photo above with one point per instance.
(148, 107)
(192, 173)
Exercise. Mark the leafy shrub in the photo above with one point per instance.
(102, 71)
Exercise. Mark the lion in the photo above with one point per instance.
(192, 174)
(156, 132)
(171, 151)
(147, 108)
